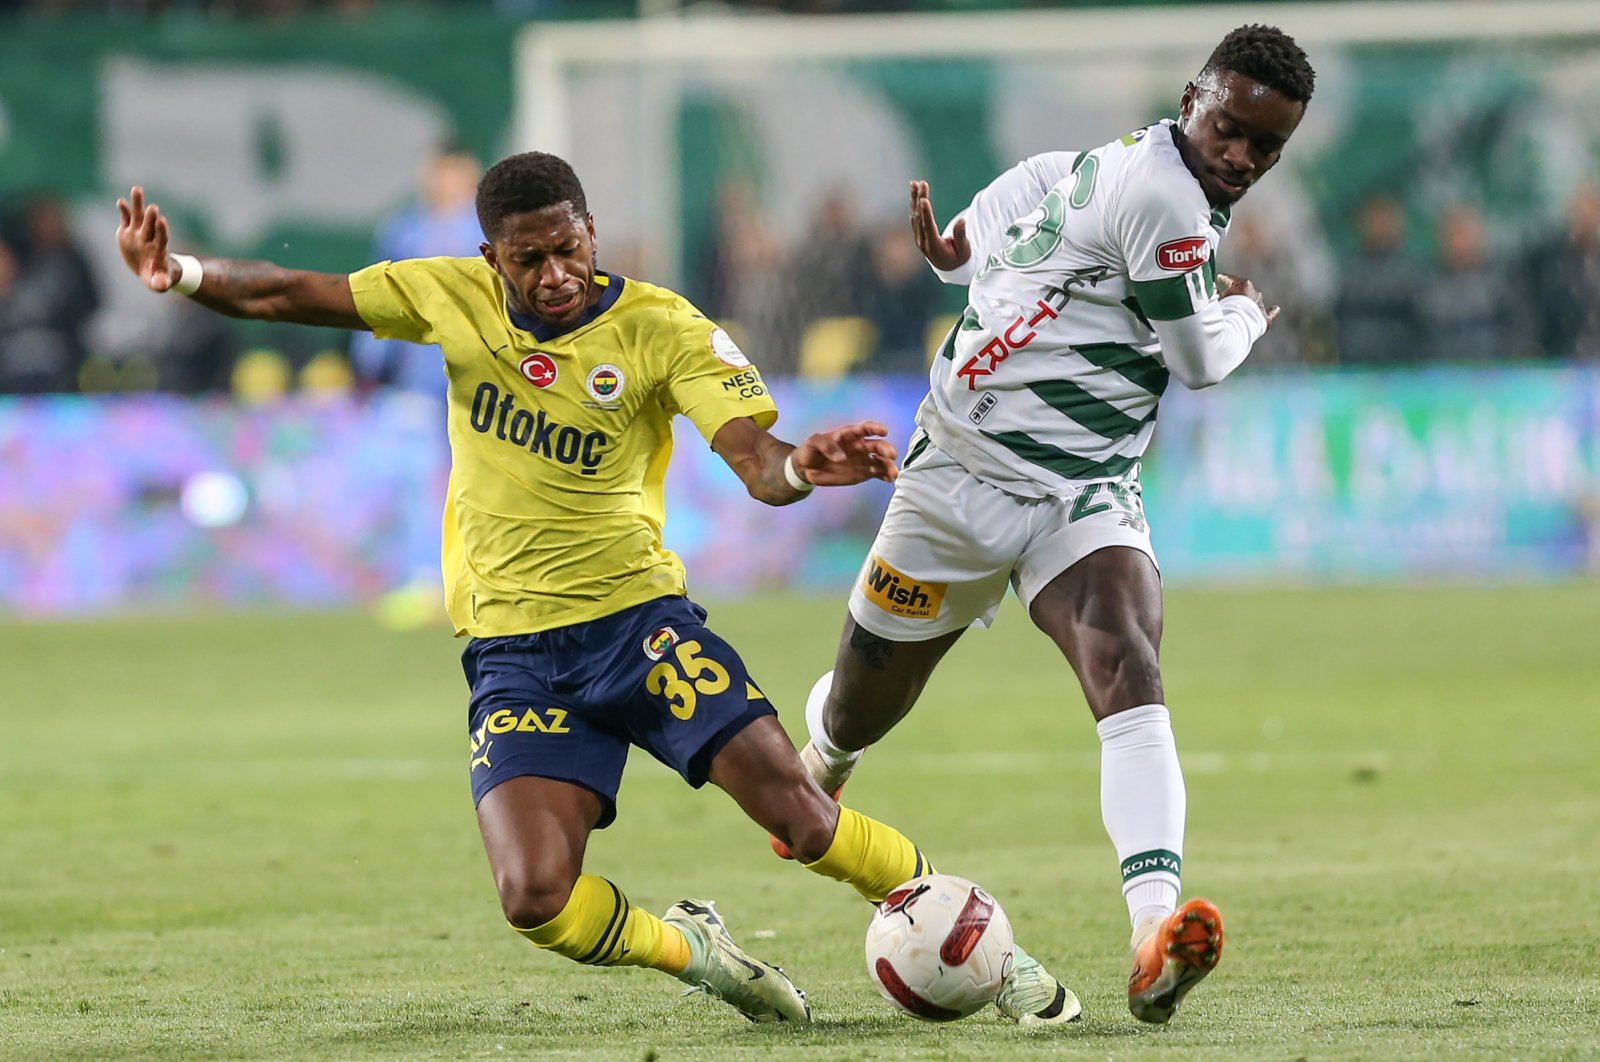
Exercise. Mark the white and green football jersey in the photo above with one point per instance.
(1091, 280)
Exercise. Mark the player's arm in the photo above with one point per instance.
(1206, 324)
(1203, 348)
(780, 473)
(978, 231)
(259, 290)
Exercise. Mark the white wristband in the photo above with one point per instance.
(790, 473)
(190, 275)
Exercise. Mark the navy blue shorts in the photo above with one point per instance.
(567, 703)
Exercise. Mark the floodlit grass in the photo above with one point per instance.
(250, 837)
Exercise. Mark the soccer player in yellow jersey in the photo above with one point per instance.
(563, 381)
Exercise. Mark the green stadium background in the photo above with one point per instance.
(293, 140)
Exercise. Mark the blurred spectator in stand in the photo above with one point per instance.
(443, 221)
(714, 268)
(742, 282)
(1293, 278)
(1564, 274)
(1471, 312)
(1377, 315)
(830, 266)
(900, 296)
(33, 359)
(47, 293)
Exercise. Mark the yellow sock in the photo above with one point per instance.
(599, 927)
(870, 857)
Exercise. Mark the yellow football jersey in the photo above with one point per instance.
(559, 443)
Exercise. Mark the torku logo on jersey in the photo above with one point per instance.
(537, 432)
(1184, 254)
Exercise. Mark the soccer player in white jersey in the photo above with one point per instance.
(1091, 283)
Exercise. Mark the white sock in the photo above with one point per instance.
(835, 757)
(1142, 803)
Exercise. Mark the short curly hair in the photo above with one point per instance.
(532, 180)
(1268, 55)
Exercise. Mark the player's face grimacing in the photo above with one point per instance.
(546, 258)
(1233, 129)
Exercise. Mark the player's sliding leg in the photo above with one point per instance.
(535, 831)
(1104, 613)
(873, 684)
(828, 765)
(759, 770)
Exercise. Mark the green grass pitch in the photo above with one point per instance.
(249, 837)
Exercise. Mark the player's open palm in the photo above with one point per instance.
(850, 454)
(942, 252)
(142, 238)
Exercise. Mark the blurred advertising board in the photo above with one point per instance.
(159, 502)
(1366, 476)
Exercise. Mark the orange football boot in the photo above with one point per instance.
(1172, 958)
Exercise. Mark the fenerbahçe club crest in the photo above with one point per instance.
(658, 641)
(604, 383)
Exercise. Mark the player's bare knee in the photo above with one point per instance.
(1119, 678)
(530, 899)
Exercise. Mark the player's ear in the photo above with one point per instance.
(489, 256)
(1186, 102)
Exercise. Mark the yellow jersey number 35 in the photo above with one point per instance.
(679, 683)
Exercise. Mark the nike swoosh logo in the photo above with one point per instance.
(493, 350)
(756, 972)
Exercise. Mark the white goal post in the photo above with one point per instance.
(606, 94)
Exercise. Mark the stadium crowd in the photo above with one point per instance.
(851, 297)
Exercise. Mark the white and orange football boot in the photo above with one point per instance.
(1170, 956)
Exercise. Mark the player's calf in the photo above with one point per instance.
(827, 765)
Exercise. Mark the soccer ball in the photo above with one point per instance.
(939, 948)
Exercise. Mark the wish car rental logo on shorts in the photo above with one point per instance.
(896, 592)
(604, 383)
(540, 370)
(658, 642)
(1181, 255)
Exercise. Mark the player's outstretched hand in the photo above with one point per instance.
(851, 454)
(1227, 285)
(142, 238)
(942, 253)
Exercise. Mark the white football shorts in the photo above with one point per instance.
(950, 543)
